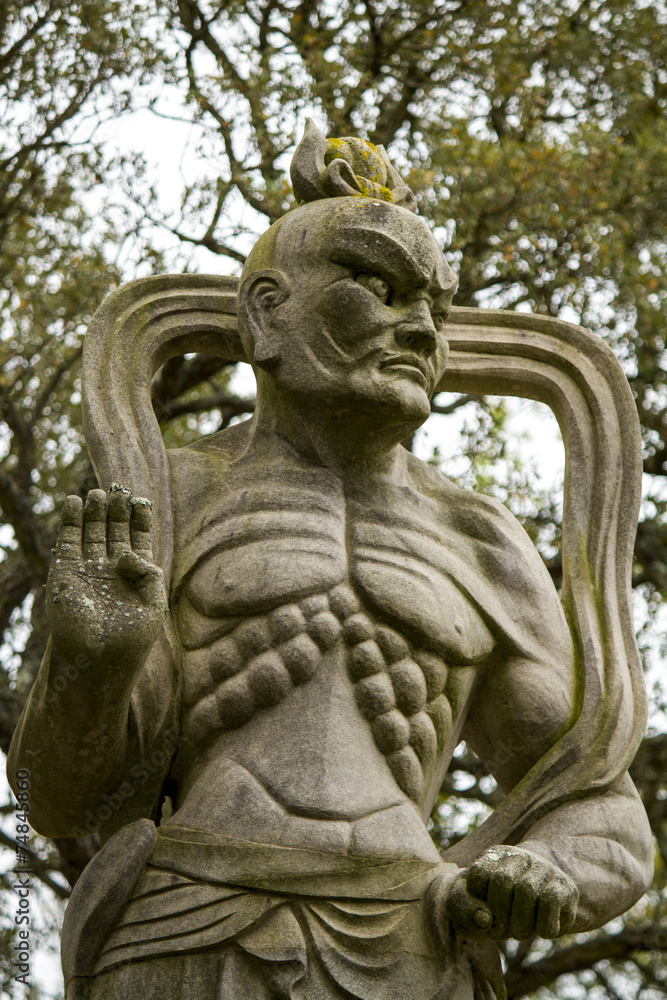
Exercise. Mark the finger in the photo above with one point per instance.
(95, 525)
(549, 905)
(479, 873)
(467, 910)
(568, 911)
(524, 906)
(482, 869)
(68, 545)
(140, 527)
(515, 869)
(499, 899)
(118, 526)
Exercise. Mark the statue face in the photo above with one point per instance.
(364, 320)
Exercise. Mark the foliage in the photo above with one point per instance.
(535, 137)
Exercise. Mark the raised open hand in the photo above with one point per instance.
(105, 597)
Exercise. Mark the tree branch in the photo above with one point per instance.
(210, 243)
(20, 155)
(40, 868)
(8, 55)
(53, 383)
(179, 375)
(455, 405)
(26, 528)
(16, 581)
(584, 955)
(231, 406)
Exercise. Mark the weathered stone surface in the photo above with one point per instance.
(340, 616)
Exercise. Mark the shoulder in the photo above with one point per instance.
(215, 451)
(476, 516)
(226, 444)
(499, 562)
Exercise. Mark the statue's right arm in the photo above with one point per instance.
(106, 604)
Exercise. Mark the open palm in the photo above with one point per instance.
(105, 596)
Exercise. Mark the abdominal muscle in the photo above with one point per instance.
(305, 773)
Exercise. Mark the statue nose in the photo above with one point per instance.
(418, 330)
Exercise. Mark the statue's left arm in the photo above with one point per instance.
(601, 843)
(586, 859)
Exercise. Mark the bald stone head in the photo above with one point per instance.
(347, 298)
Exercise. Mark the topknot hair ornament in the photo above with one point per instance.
(334, 168)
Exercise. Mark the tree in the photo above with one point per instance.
(534, 135)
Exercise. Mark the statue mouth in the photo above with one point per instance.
(410, 364)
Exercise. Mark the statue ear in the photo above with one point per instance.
(259, 295)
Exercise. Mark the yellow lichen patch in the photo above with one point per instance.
(369, 189)
(362, 156)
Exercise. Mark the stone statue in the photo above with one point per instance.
(261, 761)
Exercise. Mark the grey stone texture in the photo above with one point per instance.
(254, 686)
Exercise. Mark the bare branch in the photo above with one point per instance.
(584, 955)
(231, 406)
(39, 867)
(455, 404)
(27, 529)
(179, 375)
(54, 381)
(7, 57)
(16, 581)
(210, 243)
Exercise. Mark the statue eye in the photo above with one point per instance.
(439, 320)
(375, 284)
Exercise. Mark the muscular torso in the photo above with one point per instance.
(329, 653)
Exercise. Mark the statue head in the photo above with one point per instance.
(345, 298)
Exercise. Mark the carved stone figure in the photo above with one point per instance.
(260, 762)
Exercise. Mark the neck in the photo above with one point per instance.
(350, 438)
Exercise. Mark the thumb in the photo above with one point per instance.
(466, 910)
(133, 567)
(146, 575)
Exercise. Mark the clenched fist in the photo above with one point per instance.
(105, 597)
(507, 892)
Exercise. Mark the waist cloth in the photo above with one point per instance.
(237, 920)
